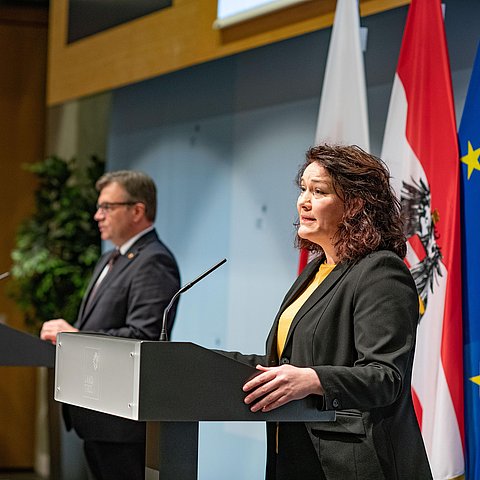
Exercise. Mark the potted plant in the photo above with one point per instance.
(58, 246)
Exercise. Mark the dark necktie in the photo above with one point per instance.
(113, 258)
(111, 262)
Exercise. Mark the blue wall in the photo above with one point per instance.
(223, 141)
(226, 189)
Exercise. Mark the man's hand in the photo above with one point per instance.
(52, 327)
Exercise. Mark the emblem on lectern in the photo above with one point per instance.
(95, 361)
(91, 380)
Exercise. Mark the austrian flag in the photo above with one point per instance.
(420, 147)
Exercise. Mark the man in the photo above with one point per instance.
(129, 290)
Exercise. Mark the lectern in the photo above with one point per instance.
(19, 349)
(171, 385)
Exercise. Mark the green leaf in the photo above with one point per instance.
(58, 246)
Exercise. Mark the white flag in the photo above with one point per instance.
(343, 113)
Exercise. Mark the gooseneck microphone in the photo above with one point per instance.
(163, 334)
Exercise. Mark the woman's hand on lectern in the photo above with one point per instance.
(276, 386)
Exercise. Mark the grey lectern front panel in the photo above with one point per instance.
(98, 374)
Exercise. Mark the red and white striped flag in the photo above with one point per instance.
(343, 114)
(420, 147)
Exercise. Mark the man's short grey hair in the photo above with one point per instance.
(138, 185)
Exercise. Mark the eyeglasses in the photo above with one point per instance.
(106, 207)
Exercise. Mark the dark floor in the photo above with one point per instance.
(19, 475)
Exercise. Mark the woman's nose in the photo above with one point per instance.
(304, 199)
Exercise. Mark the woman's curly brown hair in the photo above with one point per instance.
(372, 217)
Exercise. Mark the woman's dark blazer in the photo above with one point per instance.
(357, 330)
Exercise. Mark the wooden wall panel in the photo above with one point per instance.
(169, 40)
(23, 49)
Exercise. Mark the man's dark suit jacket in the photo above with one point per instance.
(129, 302)
(357, 331)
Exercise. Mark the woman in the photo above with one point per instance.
(345, 331)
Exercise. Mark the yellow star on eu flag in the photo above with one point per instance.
(476, 379)
(471, 160)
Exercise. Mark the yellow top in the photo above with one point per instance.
(289, 313)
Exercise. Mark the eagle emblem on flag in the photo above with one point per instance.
(425, 254)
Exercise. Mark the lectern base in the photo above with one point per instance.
(172, 451)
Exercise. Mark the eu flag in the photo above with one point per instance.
(469, 139)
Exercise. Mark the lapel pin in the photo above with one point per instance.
(130, 255)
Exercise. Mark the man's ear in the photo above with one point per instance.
(139, 211)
